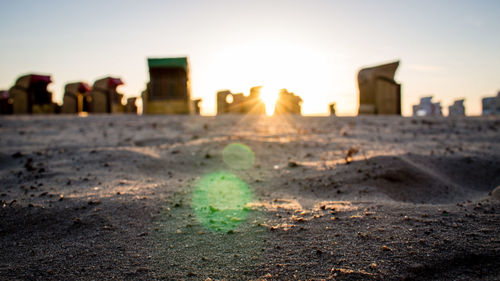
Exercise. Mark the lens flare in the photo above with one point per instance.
(238, 156)
(220, 201)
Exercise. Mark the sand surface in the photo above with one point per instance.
(365, 198)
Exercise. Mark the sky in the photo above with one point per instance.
(447, 49)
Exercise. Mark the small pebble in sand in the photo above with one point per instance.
(385, 248)
(350, 153)
(142, 269)
(17, 155)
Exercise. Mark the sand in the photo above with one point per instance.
(362, 198)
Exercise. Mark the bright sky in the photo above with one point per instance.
(449, 49)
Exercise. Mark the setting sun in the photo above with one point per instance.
(269, 96)
(275, 65)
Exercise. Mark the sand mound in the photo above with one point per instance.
(429, 179)
(408, 178)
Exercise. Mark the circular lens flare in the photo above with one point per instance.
(220, 201)
(238, 156)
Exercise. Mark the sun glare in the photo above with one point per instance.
(269, 95)
(273, 65)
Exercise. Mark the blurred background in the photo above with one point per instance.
(448, 49)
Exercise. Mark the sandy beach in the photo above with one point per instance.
(345, 198)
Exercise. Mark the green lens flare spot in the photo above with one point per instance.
(219, 201)
(238, 156)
